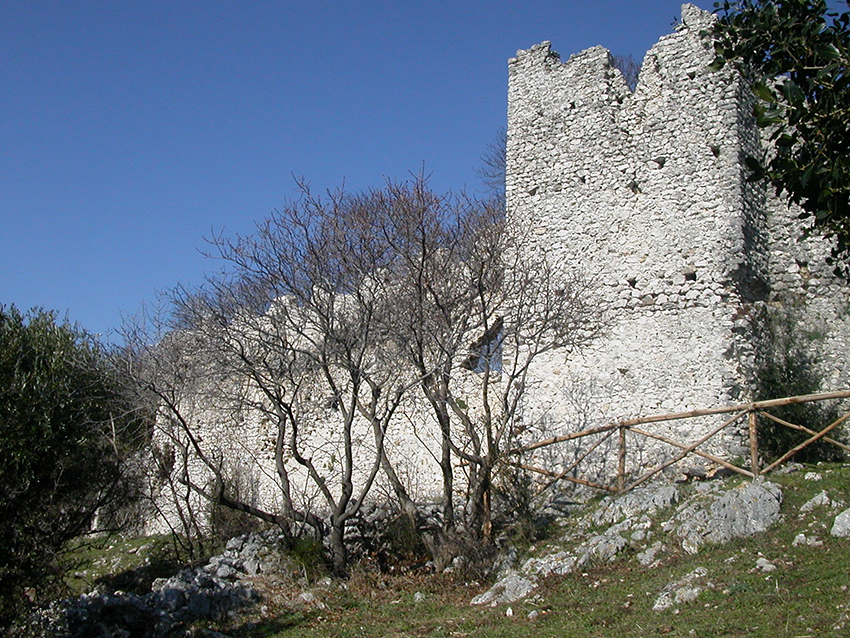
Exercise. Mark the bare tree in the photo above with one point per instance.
(293, 332)
(334, 317)
(629, 67)
(493, 166)
(477, 308)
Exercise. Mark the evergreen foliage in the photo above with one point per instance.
(795, 53)
(62, 430)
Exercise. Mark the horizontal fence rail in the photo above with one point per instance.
(738, 413)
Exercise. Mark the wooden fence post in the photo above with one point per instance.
(621, 467)
(754, 442)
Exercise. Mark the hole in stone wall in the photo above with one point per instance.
(660, 161)
(690, 276)
(632, 281)
(533, 191)
(715, 150)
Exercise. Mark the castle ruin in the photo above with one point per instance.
(647, 192)
(694, 267)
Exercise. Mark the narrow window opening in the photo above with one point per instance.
(486, 352)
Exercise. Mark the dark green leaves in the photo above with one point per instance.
(58, 450)
(795, 54)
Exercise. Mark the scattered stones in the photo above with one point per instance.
(558, 563)
(212, 591)
(647, 556)
(802, 539)
(681, 591)
(711, 514)
(308, 599)
(765, 565)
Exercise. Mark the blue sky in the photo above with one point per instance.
(132, 130)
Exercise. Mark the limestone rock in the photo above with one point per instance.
(819, 500)
(681, 591)
(841, 525)
(510, 588)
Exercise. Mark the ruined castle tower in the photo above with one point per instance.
(647, 194)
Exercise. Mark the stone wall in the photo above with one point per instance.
(696, 269)
(647, 193)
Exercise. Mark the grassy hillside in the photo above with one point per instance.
(804, 591)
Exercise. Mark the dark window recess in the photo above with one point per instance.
(486, 352)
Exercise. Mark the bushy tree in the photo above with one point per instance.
(795, 53)
(63, 427)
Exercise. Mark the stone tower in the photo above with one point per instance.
(647, 194)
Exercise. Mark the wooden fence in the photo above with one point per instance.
(752, 412)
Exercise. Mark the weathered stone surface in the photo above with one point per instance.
(558, 563)
(714, 516)
(711, 514)
(643, 500)
(510, 588)
(819, 500)
(744, 511)
(682, 591)
(841, 525)
(647, 191)
(647, 556)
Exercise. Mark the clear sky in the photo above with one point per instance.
(129, 131)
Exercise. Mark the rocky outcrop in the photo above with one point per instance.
(647, 520)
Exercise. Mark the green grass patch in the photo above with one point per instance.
(111, 563)
(806, 595)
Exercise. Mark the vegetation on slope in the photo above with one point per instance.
(805, 595)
